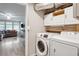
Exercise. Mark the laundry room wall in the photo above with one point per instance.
(35, 23)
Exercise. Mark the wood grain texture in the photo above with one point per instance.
(69, 27)
(54, 29)
(77, 28)
(58, 12)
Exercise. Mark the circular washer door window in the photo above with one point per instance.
(41, 47)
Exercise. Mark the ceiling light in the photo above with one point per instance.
(8, 15)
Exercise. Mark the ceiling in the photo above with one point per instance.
(13, 8)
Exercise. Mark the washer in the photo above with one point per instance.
(42, 43)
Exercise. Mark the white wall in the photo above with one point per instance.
(35, 21)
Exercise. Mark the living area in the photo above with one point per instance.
(12, 29)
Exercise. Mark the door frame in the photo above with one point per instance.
(27, 30)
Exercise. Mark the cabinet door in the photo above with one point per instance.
(64, 50)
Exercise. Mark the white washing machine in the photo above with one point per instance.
(42, 43)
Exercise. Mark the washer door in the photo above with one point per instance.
(41, 47)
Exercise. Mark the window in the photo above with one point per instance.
(8, 25)
(16, 26)
(2, 25)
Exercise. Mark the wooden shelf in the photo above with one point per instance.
(54, 29)
(70, 27)
(58, 12)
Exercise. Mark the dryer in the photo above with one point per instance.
(63, 44)
(42, 43)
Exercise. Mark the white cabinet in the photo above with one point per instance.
(50, 20)
(69, 14)
(60, 49)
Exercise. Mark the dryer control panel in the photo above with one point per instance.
(45, 36)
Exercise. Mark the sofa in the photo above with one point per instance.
(8, 33)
